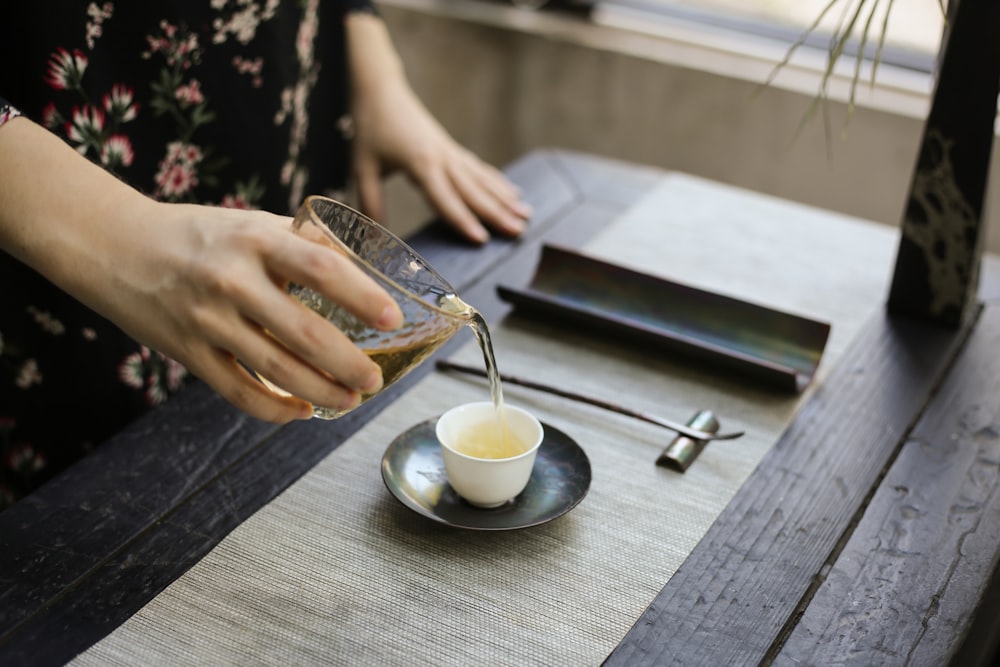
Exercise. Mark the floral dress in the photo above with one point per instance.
(237, 103)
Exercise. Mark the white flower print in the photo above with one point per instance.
(29, 375)
(120, 103)
(242, 24)
(131, 370)
(296, 101)
(48, 323)
(117, 151)
(66, 69)
(154, 372)
(86, 128)
(98, 15)
(51, 117)
(155, 393)
(189, 93)
(176, 373)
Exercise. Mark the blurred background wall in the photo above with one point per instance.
(507, 80)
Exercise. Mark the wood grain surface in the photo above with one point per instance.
(744, 590)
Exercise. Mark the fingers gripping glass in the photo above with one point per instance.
(432, 312)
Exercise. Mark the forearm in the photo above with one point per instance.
(372, 57)
(202, 284)
(59, 212)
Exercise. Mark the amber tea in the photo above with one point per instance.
(486, 440)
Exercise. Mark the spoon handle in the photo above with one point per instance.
(652, 419)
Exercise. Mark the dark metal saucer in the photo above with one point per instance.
(414, 472)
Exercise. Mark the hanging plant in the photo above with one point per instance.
(869, 20)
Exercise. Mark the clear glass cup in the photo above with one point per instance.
(432, 312)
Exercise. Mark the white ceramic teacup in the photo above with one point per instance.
(487, 482)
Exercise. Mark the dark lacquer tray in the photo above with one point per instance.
(760, 343)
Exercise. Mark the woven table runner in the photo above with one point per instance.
(336, 571)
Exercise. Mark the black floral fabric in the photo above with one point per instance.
(235, 103)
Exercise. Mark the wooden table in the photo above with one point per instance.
(869, 534)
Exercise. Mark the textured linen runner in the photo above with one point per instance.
(336, 571)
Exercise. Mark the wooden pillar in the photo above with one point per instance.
(937, 265)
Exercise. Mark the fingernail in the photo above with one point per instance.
(305, 411)
(390, 318)
(480, 235)
(373, 383)
(352, 399)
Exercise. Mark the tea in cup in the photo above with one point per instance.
(488, 456)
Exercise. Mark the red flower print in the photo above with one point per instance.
(178, 49)
(182, 153)
(175, 180)
(66, 69)
(247, 195)
(190, 94)
(7, 112)
(86, 127)
(252, 68)
(51, 118)
(119, 103)
(117, 151)
(235, 201)
(191, 155)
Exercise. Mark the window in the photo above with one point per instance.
(913, 29)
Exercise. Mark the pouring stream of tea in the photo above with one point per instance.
(481, 330)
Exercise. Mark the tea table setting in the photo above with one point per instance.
(201, 536)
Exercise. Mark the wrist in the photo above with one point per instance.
(373, 62)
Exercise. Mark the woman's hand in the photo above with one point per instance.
(206, 286)
(203, 285)
(394, 130)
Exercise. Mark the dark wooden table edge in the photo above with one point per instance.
(736, 603)
(916, 581)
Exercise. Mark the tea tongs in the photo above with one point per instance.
(692, 433)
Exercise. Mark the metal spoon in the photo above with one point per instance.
(652, 419)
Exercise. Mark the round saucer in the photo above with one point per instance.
(413, 471)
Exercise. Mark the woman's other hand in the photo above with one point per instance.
(394, 130)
